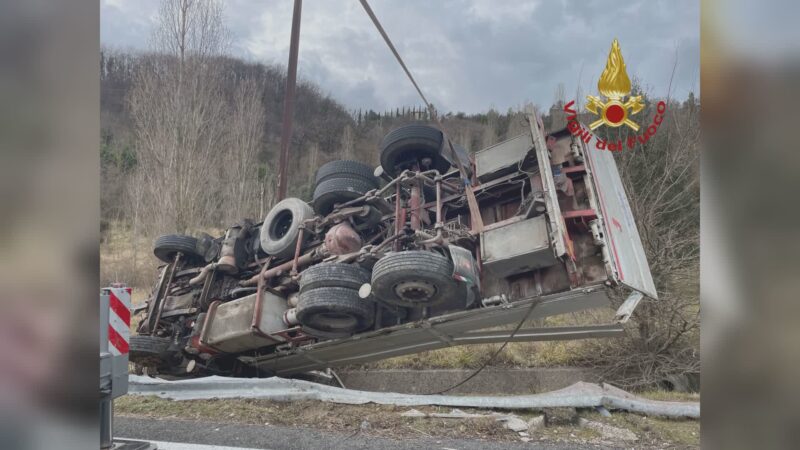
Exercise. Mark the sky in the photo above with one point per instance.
(467, 55)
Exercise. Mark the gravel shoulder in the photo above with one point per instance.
(280, 437)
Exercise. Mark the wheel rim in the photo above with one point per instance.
(281, 224)
(415, 291)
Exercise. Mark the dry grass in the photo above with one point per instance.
(126, 258)
(670, 396)
(522, 354)
(654, 431)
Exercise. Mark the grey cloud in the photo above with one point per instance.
(468, 55)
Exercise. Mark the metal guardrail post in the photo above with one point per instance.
(106, 423)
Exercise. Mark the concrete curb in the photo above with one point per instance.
(489, 381)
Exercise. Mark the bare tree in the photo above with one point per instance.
(178, 107)
(241, 184)
(313, 162)
(190, 29)
(557, 116)
(560, 95)
(661, 178)
(348, 150)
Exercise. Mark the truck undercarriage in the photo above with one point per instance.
(426, 251)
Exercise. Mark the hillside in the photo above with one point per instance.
(323, 130)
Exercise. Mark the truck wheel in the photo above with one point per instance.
(165, 247)
(412, 143)
(346, 169)
(149, 351)
(282, 225)
(338, 190)
(335, 309)
(414, 278)
(333, 275)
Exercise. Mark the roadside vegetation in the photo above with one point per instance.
(189, 140)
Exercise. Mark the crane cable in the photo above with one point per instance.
(476, 219)
(388, 41)
(494, 355)
(473, 204)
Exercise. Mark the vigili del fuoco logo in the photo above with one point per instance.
(615, 111)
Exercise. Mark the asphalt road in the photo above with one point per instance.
(277, 438)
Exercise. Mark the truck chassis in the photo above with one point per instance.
(428, 250)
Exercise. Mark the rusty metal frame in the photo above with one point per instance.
(256, 321)
(201, 340)
(458, 328)
(161, 295)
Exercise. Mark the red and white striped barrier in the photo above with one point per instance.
(119, 320)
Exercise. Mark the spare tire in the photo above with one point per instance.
(167, 246)
(412, 143)
(333, 275)
(338, 190)
(414, 278)
(282, 226)
(335, 309)
(346, 169)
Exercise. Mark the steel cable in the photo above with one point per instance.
(462, 172)
(477, 220)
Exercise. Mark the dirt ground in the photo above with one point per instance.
(386, 421)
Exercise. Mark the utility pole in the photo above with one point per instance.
(288, 100)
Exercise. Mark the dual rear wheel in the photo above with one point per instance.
(330, 304)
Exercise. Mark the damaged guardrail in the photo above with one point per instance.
(578, 395)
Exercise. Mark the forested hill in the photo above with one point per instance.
(249, 136)
(319, 121)
(323, 130)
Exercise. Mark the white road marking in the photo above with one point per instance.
(162, 445)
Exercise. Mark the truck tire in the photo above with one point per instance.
(149, 351)
(412, 142)
(335, 309)
(282, 226)
(347, 169)
(167, 246)
(338, 190)
(414, 278)
(333, 275)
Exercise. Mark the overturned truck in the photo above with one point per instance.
(433, 248)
